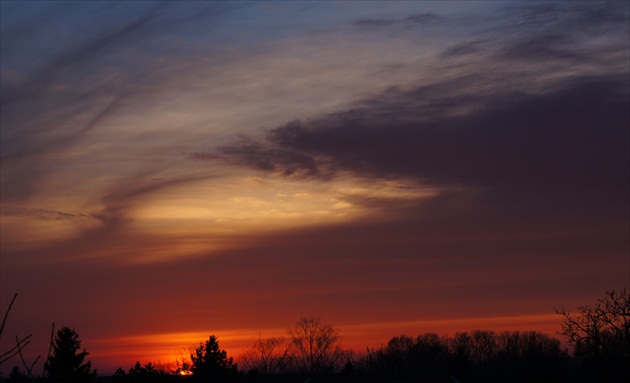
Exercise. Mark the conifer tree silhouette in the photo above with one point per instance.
(66, 362)
(210, 363)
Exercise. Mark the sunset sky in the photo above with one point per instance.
(175, 170)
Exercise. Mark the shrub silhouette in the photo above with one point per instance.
(16, 376)
(139, 374)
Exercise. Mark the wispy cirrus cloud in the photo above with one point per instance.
(43, 214)
(418, 19)
(56, 92)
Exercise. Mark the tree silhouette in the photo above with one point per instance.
(479, 356)
(314, 346)
(66, 363)
(602, 330)
(601, 335)
(267, 356)
(528, 356)
(210, 363)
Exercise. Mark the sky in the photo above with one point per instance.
(175, 170)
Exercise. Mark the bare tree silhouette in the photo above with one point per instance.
(602, 330)
(314, 346)
(267, 356)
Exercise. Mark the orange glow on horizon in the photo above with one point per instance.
(167, 348)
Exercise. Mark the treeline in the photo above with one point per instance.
(466, 357)
(478, 356)
(481, 355)
(599, 334)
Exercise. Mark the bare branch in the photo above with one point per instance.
(13, 351)
(50, 347)
(4, 320)
(26, 367)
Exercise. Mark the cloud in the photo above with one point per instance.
(42, 214)
(545, 34)
(543, 47)
(249, 152)
(600, 16)
(484, 130)
(411, 134)
(530, 114)
(559, 152)
(465, 48)
(424, 18)
(556, 31)
(60, 85)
